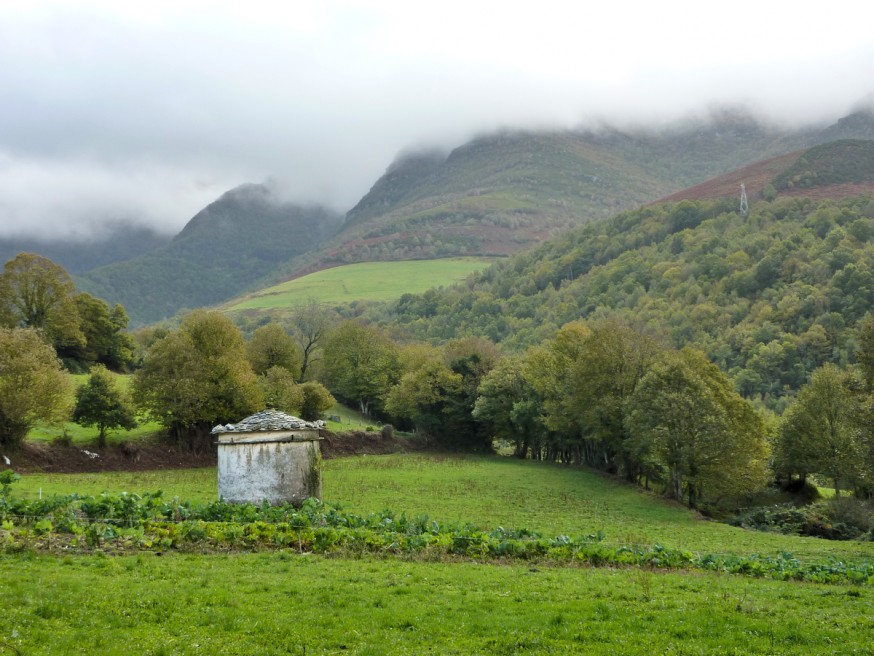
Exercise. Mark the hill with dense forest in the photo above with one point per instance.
(501, 193)
(225, 248)
(495, 195)
(769, 295)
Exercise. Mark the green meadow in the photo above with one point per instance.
(489, 492)
(284, 602)
(367, 281)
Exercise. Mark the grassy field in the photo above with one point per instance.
(283, 603)
(289, 603)
(488, 492)
(369, 281)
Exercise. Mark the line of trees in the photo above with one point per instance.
(599, 393)
(188, 379)
(608, 396)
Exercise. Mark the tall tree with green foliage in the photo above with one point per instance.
(547, 367)
(33, 386)
(685, 419)
(421, 397)
(360, 365)
(865, 352)
(270, 346)
(820, 432)
(37, 293)
(315, 400)
(471, 358)
(100, 403)
(510, 406)
(105, 329)
(611, 362)
(196, 377)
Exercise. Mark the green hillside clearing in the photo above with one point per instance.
(371, 281)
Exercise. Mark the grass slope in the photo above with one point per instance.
(288, 603)
(488, 492)
(291, 604)
(368, 281)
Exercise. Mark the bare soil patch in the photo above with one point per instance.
(48, 457)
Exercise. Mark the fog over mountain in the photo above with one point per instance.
(146, 112)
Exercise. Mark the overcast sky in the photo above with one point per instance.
(149, 110)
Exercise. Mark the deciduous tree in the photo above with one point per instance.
(100, 403)
(685, 418)
(360, 365)
(270, 346)
(37, 293)
(820, 432)
(197, 377)
(33, 386)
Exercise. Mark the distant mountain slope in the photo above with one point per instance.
(117, 244)
(494, 196)
(832, 170)
(501, 193)
(225, 248)
(769, 296)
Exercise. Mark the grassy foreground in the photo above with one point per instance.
(290, 604)
(282, 602)
(367, 281)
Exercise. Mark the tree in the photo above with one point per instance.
(37, 293)
(33, 386)
(106, 339)
(280, 391)
(312, 322)
(865, 353)
(510, 406)
(421, 396)
(360, 365)
(609, 365)
(270, 346)
(820, 432)
(316, 399)
(685, 419)
(99, 402)
(471, 358)
(547, 368)
(197, 377)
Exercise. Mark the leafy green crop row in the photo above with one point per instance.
(129, 522)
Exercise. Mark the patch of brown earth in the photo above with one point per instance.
(55, 458)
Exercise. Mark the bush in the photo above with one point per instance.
(845, 518)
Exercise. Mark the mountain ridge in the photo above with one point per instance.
(229, 245)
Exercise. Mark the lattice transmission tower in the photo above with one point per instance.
(744, 205)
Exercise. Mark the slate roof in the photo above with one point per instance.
(267, 420)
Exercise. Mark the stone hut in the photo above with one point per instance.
(270, 455)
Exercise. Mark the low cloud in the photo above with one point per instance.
(75, 200)
(149, 111)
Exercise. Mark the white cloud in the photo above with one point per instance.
(138, 101)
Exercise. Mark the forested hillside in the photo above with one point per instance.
(769, 296)
(224, 249)
(501, 193)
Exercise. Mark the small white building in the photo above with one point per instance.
(270, 455)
